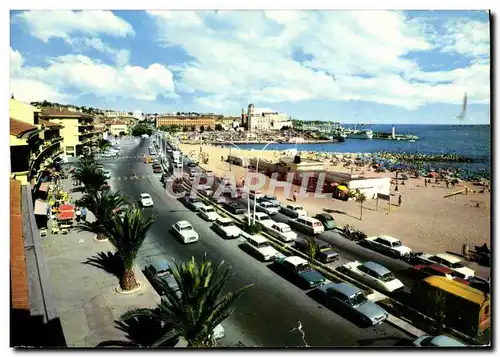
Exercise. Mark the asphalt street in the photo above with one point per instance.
(264, 314)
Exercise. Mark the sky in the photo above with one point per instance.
(410, 67)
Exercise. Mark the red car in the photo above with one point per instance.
(423, 271)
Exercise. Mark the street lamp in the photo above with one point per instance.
(257, 170)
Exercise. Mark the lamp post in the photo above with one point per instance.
(257, 170)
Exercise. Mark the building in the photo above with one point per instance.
(114, 114)
(117, 127)
(78, 128)
(228, 122)
(255, 120)
(189, 122)
(34, 142)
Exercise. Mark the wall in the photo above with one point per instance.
(15, 141)
(23, 112)
(69, 132)
(370, 187)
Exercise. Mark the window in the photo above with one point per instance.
(435, 259)
(383, 242)
(336, 295)
(363, 269)
(288, 265)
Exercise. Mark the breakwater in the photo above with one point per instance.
(416, 157)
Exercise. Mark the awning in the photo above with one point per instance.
(342, 188)
(41, 207)
(66, 208)
(44, 187)
(65, 215)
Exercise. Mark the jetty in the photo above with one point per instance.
(394, 136)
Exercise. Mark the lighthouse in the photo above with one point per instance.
(393, 132)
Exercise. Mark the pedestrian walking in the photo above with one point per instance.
(396, 188)
(425, 182)
(400, 200)
(77, 214)
(83, 214)
(294, 196)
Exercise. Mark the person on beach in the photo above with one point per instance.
(425, 180)
(400, 200)
(396, 188)
(77, 214)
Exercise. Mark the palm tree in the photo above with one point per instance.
(358, 197)
(103, 205)
(197, 308)
(312, 248)
(127, 234)
(90, 176)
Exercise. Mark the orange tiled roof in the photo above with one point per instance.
(18, 127)
(48, 123)
(63, 113)
(19, 282)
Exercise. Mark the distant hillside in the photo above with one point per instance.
(87, 110)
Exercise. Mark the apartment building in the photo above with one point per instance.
(78, 128)
(258, 120)
(189, 122)
(117, 127)
(34, 142)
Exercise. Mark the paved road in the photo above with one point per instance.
(265, 314)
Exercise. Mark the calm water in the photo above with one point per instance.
(469, 140)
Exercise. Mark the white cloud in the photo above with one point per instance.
(120, 57)
(248, 57)
(48, 24)
(81, 74)
(470, 38)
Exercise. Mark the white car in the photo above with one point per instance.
(208, 213)
(255, 194)
(261, 218)
(260, 246)
(267, 207)
(387, 245)
(218, 332)
(293, 211)
(186, 232)
(449, 261)
(226, 227)
(373, 274)
(282, 231)
(146, 200)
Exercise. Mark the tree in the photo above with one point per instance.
(193, 128)
(285, 128)
(103, 144)
(127, 235)
(209, 128)
(103, 205)
(312, 248)
(197, 308)
(141, 129)
(218, 127)
(185, 129)
(358, 197)
(89, 174)
(202, 129)
(122, 134)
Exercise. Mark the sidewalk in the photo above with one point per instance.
(85, 295)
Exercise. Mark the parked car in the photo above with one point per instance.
(234, 207)
(158, 267)
(191, 164)
(193, 203)
(293, 211)
(327, 220)
(260, 246)
(157, 169)
(219, 199)
(299, 270)
(307, 225)
(437, 341)
(422, 271)
(282, 231)
(387, 245)
(449, 261)
(262, 219)
(373, 274)
(252, 194)
(226, 227)
(208, 213)
(347, 297)
(186, 232)
(146, 200)
(324, 254)
(267, 207)
(270, 198)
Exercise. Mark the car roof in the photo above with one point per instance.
(345, 288)
(389, 238)
(448, 257)
(379, 269)
(257, 238)
(145, 195)
(435, 267)
(281, 225)
(326, 215)
(295, 260)
(294, 206)
(224, 220)
(447, 341)
(159, 263)
(183, 223)
(260, 214)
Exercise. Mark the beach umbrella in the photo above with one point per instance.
(66, 208)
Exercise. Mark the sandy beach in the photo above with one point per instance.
(425, 221)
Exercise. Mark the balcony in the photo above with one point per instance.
(88, 132)
(45, 149)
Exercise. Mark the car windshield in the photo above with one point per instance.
(426, 341)
(265, 218)
(317, 224)
(209, 209)
(396, 244)
(357, 299)
(387, 277)
(146, 196)
(456, 265)
(226, 224)
(303, 267)
(270, 197)
(186, 228)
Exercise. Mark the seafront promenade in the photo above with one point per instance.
(425, 221)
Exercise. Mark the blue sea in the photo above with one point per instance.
(473, 141)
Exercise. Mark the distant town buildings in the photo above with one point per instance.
(189, 122)
(115, 114)
(255, 120)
